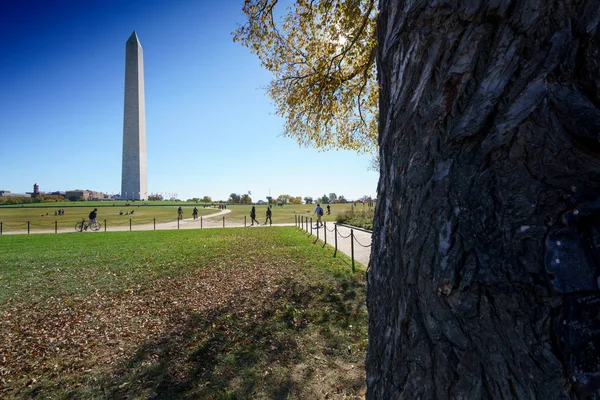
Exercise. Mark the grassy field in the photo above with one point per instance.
(16, 218)
(221, 314)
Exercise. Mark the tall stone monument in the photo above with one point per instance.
(134, 180)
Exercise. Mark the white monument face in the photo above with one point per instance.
(134, 181)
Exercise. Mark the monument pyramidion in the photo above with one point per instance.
(134, 179)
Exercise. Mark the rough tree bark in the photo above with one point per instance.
(484, 279)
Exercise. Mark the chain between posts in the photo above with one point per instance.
(301, 220)
(360, 244)
(345, 237)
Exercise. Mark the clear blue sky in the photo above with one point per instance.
(210, 127)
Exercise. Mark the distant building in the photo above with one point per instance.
(77, 195)
(36, 191)
(95, 195)
(83, 195)
(8, 193)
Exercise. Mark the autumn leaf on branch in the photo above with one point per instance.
(322, 56)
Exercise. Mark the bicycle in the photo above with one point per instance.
(82, 225)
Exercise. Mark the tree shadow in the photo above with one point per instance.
(242, 351)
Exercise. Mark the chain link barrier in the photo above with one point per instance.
(301, 221)
(16, 225)
(342, 236)
(360, 244)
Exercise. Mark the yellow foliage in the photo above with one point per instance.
(322, 56)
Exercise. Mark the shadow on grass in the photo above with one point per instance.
(272, 349)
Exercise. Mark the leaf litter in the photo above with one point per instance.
(249, 326)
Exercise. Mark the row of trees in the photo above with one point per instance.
(205, 199)
(240, 198)
(50, 198)
(325, 199)
(288, 199)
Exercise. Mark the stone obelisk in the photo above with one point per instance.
(134, 180)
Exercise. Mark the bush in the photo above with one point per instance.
(359, 218)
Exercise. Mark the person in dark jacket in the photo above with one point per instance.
(253, 216)
(92, 218)
(93, 215)
(268, 216)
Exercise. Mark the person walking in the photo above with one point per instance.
(268, 216)
(253, 216)
(195, 213)
(328, 210)
(319, 212)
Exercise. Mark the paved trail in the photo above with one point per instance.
(362, 239)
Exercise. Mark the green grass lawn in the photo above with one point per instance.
(41, 216)
(220, 314)
(283, 214)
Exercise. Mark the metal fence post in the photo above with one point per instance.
(244, 221)
(325, 231)
(317, 234)
(352, 247)
(154, 223)
(311, 226)
(28, 227)
(177, 222)
(223, 221)
(129, 224)
(335, 234)
(55, 226)
(0, 228)
(200, 222)
(104, 225)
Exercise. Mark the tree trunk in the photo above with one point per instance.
(484, 277)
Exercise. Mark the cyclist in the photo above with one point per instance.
(180, 213)
(93, 215)
(195, 213)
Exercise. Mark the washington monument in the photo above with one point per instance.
(134, 180)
